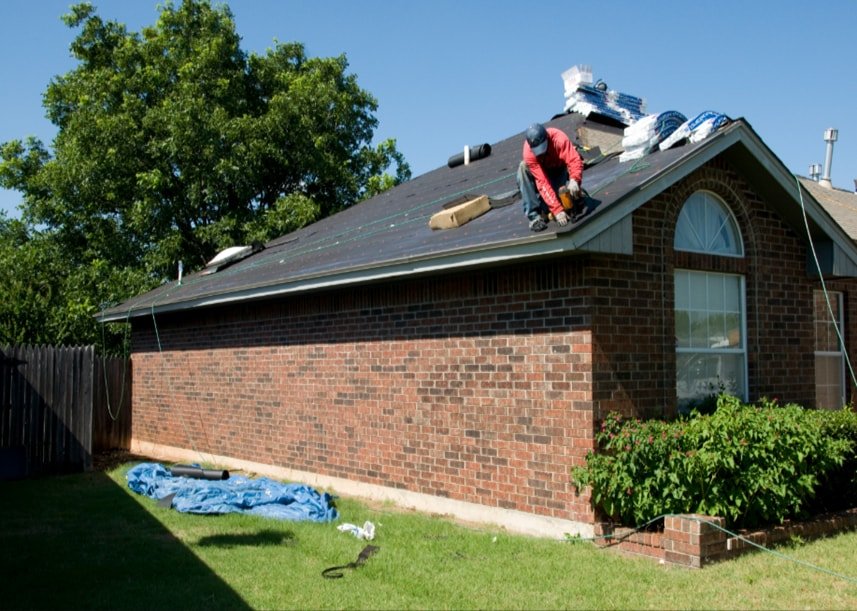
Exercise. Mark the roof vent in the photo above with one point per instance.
(470, 153)
(814, 171)
(229, 256)
(830, 136)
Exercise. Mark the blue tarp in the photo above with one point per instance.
(238, 494)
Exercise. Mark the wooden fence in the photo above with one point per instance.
(57, 406)
(111, 404)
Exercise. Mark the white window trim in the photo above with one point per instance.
(739, 237)
(743, 349)
(840, 326)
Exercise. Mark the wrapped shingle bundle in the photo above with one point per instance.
(696, 129)
(643, 136)
(583, 97)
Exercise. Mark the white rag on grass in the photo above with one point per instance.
(367, 532)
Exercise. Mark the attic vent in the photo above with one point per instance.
(229, 256)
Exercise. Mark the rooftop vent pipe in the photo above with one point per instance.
(830, 136)
(814, 171)
(471, 153)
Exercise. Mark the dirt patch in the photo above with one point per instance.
(110, 459)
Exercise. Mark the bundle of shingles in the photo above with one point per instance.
(584, 97)
(695, 129)
(643, 136)
(643, 133)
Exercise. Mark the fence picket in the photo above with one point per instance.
(54, 408)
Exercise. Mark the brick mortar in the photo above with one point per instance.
(496, 419)
(674, 544)
(485, 386)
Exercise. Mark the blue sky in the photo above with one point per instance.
(449, 73)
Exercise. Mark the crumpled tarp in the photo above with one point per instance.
(238, 494)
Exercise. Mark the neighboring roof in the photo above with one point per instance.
(839, 203)
(388, 236)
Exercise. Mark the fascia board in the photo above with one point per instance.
(790, 184)
(462, 259)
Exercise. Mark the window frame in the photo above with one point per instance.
(741, 351)
(824, 316)
(687, 229)
(733, 224)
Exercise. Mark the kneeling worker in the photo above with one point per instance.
(550, 164)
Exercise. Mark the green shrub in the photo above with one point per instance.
(751, 464)
(838, 488)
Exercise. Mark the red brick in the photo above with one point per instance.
(400, 383)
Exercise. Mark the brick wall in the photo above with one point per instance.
(695, 540)
(633, 320)
(481, 386)
(473, 387)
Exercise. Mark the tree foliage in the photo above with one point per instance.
(47, 299)
(172, 144)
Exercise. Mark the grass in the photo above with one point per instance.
(86, 541)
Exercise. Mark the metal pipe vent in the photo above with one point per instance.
(831, 135)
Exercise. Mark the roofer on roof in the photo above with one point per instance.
(550, 163)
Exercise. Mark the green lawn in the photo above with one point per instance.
(86, 541)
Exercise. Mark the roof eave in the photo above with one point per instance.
(548, 244)
(514, 250)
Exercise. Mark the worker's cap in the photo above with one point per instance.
(537, 138)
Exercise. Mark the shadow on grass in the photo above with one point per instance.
(80, 541)
(261, 538)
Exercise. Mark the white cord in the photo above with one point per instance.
(824, 286)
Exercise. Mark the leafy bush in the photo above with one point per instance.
(751, 464)
(838, 489)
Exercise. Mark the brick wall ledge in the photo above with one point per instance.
(511, 520)
(695, 540)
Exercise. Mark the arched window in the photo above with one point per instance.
(710, 322)
(705, 225)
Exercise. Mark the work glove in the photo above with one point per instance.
(562, 219)
(573, 188)
(538, 224)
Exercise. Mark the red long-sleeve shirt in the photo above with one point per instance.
(560, 152)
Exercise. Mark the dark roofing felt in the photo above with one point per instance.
(390, 232)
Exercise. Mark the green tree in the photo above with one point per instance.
(173, 143)
(48, 298)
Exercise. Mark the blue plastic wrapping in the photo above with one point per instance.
(642, 137)
(238, 494)
(668, 122)
(621, 107)
(696, 129)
